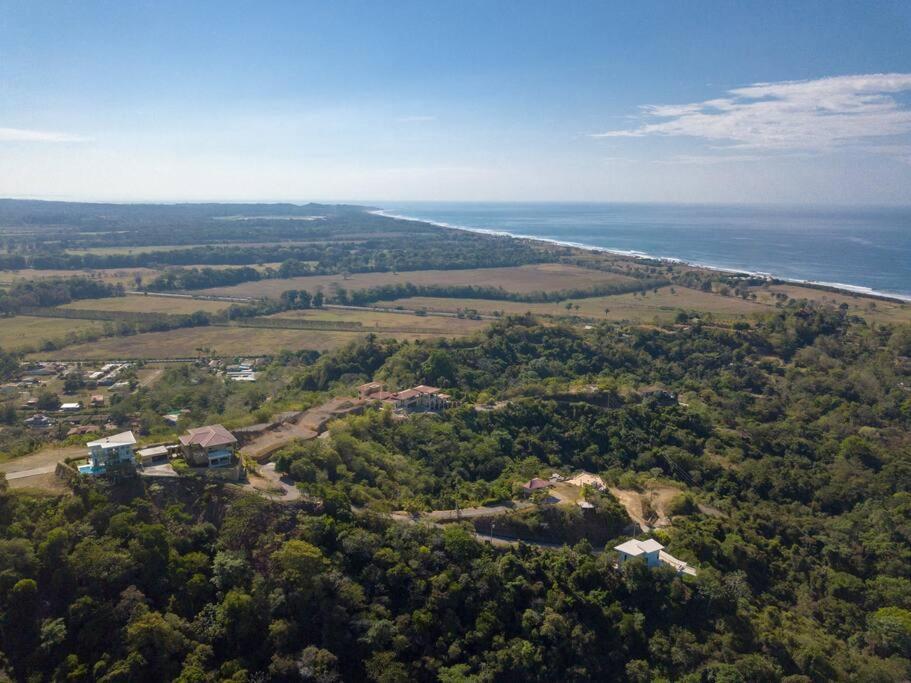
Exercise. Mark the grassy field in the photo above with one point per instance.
(378, 321)
(23, 331)
(148, 304)
(381, 322)
(238, 341)
(662, 305)
(107, 251)
(227, 341)
(125, 276)
(520, 279)
(871, 309)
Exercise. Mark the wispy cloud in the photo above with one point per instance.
(703, 159)
(416, 119)
(24, 135)
(815, 115)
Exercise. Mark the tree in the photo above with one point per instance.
(439, 368)
(158, 639)
(299, 563)
(47, 400)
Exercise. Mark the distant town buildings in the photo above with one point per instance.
(39, 421)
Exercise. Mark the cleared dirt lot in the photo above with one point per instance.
(519, 279)
(36, 471)
(656, 497)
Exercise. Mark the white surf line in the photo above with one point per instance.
(850, 289)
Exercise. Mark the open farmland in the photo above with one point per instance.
(125, 276)
(148, 304)
(23, 331)
(378, 321)
(546, 277)
(236, 340)
(190, 342)
(151, 249)
(662, 304)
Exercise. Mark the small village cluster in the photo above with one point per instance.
(36, 377)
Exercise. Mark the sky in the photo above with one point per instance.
(760, 102)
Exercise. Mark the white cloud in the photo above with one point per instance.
(712, 158)
(23, 135)
(815, 115)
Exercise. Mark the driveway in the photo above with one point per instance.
(289, 492)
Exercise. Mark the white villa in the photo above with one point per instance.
(108, 452)
(653, 553)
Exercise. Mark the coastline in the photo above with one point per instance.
(844, 288)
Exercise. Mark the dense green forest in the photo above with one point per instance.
(310, 239)
(792, 440)
(53, 292)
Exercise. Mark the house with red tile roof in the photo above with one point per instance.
(209, 446)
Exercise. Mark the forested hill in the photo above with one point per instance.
(28, 212)
(73, 236)
(791, 441)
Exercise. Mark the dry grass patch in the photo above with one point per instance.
(24, 331)
(202, 341)
(662, 305)
(148, 304)
(215, 340)
(876, 310)
(125, 276)
(519, 279)
(379, 321)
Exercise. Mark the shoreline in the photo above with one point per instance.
(844, 288)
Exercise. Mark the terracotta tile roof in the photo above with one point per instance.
(405, 395)
(535, 484)
(208, 436)
(424, 389)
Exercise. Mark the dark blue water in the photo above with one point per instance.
(866, 248)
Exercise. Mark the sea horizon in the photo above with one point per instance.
(858, 249)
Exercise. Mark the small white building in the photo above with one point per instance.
(654, 555)
(648, 549)
(71, 406)
(109, 452)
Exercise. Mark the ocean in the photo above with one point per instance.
(861, 249)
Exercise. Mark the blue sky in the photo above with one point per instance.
(485, 100)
